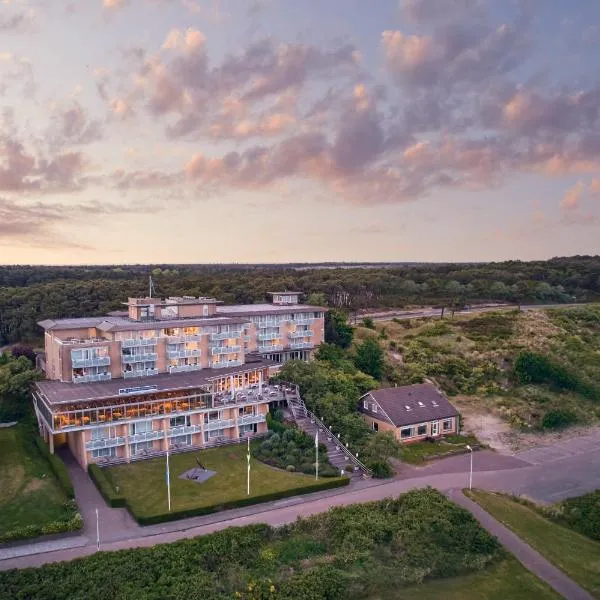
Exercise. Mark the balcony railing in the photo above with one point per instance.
(268, 336)
(91, 378)
(301, 333)
(134, 358)
(96, 361)
(267, 324)
(226, 335)
(108, 442)
(132, 343)
(218, 424)
(226, 363)
(183, 430)
(140, 373)
(300, 345)
(249, 419)
(183, 353)
(184, 368)
(225, 349)
(270, 348)
(302, 321)
(147, 436)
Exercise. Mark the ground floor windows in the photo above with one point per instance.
(214, 434)
(142, 447)
(406, 432)
(180, 440)
(447, 425)
(422, 429)
(375, 426)
(104, 453)
(247, 429)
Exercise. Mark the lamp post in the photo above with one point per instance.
(97, 531)
(471, 467)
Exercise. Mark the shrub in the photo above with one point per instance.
(557, 418)
(57, 466)
(105, 487)
(582, 514)
(368, 323)
(290, 468)
(381, 469)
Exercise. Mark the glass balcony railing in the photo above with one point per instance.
(91, 378)
(267, 324)
(249, 419)
(269, 336)
(132, 343)
(300, 345)
(183, 430)
(184, 368)
(225, 349)
(183, 353)
(301, 333)
(302, 321)
(226, 363)
(134, 358)
(147, 436)
(140, 373)
(109, 442)
(270, 348)
(226, 335)
(218, 424)
(95, 361)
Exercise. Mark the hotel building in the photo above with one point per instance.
(177, 373)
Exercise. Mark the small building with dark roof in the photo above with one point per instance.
(412, 412)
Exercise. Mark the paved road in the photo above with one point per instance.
(524, 553)
(436, 312)
(546, 482)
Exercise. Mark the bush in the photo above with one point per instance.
(57, 466)
(557, 418)
(381, 469)
(368, 323)
(582, 514)
(290, 468)
(105, 487)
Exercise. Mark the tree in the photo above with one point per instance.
(25, 351)
(16, 377)
(369, 358)
(337, 329)
(316, 299)
(382, 446)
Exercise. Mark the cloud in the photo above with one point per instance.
(572, 199)
(16, 70)
(423, 11)
(73, 126)
(17, 22)
(595, 188)
(114, 4)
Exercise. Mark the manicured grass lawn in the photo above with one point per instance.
(508, 579)
(417, 453)
(144, 486)
(577, 555)
(29, 491)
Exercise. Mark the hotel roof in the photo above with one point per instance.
(265, 309)
(59, 392)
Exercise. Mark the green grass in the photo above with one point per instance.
(418, 452)
(505, 580)
(576, 555)
(29, 491)
(144, 487)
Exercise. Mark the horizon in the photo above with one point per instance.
(161, 132)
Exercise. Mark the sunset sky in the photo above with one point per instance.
(298, 130)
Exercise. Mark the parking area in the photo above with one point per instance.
(561, 450)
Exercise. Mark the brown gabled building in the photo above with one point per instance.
(412, 412)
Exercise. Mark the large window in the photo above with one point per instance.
(447, 425)
(215, 433)
(214, 415)
(422, 429)
(375, 426)
(101, 433)
(104, 453)
(141, 447)
(407, 432)
(180, 440)
(140, 427)
(179, 421)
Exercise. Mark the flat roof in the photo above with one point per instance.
(284, 293)
(257, 309)
(59, 392)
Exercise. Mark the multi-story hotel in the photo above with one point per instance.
(176, 373)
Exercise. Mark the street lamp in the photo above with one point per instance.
(471, 468)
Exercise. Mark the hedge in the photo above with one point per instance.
(58, 467)
(105, 487)
(205, 510)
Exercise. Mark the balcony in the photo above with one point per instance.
(180, 339)
(225, 349)
(218, 424)
(302, 321)
(271, 348)
(184, 368)
(147, 436)
(250, 419)
(268, 336)
(183, 430)
(183, 353)
(301, 333)
(268, 324)
(226, 335)
(134, 358)
(108, 442)
(91, 378)
(301, 345)
(140, 373)
(133, 343)
(226, 363)
(96, 361)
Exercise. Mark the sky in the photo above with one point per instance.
(204, 131)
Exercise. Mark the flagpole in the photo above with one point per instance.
(317, 455)
(248, 456)
(168, 482)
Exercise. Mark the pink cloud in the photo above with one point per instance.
(571, 201)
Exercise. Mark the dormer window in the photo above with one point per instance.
(407, 407)
(366, 404)
(374, 408)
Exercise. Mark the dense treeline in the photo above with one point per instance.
(28, 294)
(361, 551)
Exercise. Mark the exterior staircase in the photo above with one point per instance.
(339, 456)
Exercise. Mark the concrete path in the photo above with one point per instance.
(561, 449)
(525, 554)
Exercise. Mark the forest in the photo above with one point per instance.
(29, 294)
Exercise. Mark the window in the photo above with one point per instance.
(212, 416)
(407, 432)
(179, 421)
(422, 429)
(215, 433)
(374, 407)
(375, 426)
(100, 433)
(180, 440)
(205, 310)
(141, 447)
(366, 404)
(140, 427)
(104, 452)
(447, 425)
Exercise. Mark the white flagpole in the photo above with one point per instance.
(97, 531)
(317, 455)
(168, 482)
(248, 456)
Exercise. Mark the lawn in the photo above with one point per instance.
(144, 485)
(577, 555)
(508, 579)
(30, 495)
(418, 452)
